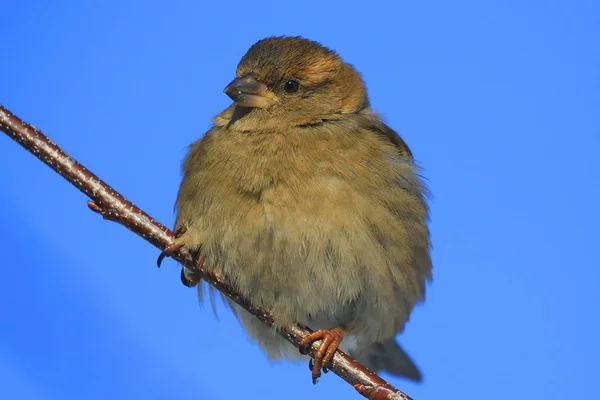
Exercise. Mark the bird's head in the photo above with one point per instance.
(291, 81)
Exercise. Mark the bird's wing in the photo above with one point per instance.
(385, 131)
(370, 120)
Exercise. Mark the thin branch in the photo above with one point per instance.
(113, 206)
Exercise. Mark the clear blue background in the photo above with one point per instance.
(500, 102)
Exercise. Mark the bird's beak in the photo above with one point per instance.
(246, 91)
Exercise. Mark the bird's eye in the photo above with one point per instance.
(291, 86)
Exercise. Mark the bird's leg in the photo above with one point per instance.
(330, 340)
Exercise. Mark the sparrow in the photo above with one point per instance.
(312, 207)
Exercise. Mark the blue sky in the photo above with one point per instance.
(498, 101)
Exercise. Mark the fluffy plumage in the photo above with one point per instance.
(310, 204)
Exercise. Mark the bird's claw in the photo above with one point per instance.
(311, 365)
(330, 340)
(169, 250)
(173, 247)
(193, 279)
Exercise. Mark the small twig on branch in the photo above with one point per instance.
(112, 206)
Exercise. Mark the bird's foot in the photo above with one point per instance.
(189, 279)
(192, 278)
(311, 365)
(330, 341)
(177, 244)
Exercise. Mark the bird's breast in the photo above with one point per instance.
(308, 241)
(303, 227)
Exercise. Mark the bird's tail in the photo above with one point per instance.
(389, 356)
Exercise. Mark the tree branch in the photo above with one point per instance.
(113, 206)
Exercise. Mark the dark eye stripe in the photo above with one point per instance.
(308, 90)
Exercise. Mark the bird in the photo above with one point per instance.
(311, 205)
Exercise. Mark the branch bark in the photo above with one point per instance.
(113, 206)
